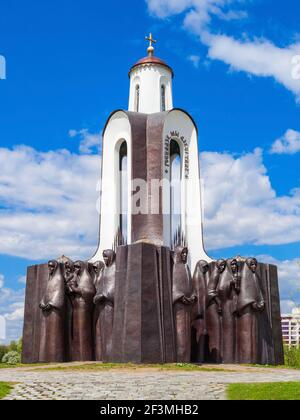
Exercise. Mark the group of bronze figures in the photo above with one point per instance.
(78, 310)
(219, 314)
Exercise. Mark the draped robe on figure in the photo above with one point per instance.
(199, 336)
(227, 295)
(249, 305)
(53, 305)
(183, 299)
(104, 308)
(213, 314)
(82, 292)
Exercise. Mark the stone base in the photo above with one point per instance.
(143, 325)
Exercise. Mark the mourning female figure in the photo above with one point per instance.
(52, 344)
(214, 313)
(104, 306)
(227, 291)
(183, 300)
(249, 304)
(82, 291)
(199, 332)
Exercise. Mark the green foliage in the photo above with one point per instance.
(289, 391)
(14, 347)
(292, 357)
(4, 389)
(11, 358)
(3, 351)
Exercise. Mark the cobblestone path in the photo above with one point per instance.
(144, 384)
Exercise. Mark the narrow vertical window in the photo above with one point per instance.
(137, 98)
(163, 98)
(123, 190)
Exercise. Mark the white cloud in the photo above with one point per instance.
(22, 279)
(12, 309)
(1, 281)
(195, 60)
(258, 57)
(89, 143)
(48, 203)
(289, 278)
(287, 306)
(241, 207)
(288, 144)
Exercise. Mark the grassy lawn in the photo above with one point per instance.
(7, 366)
(289, 391)
(130, 366)
(5, 389)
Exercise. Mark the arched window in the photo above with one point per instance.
(176, 163)
(123, 191)
(163, 98)
(137, 98)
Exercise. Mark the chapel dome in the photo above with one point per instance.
(151, 59)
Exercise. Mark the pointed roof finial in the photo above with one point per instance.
(151, 42)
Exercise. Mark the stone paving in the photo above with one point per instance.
(137, 384)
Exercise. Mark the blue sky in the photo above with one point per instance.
(67, 66)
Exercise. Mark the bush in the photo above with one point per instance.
(11, 358)
(292, 357)
(3, 351)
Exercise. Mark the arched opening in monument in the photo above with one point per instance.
(175, 179)
(123, 190)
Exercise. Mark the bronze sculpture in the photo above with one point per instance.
(52, 341)
(82, 291)
(183, 299)
(228, 313)
(199, 331)
(250, 303)
(214, 313)
(104, 306)
(227, 293)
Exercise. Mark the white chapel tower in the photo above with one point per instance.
(146, 151)
(150, 84)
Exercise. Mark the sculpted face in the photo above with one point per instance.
(97, 267)
(234, 266)
(253, 264)
(184, 255)
(69, 267)
(52, 265)
(204, 266)
(221, 264)
(108, 257)
(78, 267)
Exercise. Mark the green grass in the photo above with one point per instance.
(130, 366)
(5, 389)
(20, 365)
(289, 391)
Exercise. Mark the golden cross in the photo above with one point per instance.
(151, 40)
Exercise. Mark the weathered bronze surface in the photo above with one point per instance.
(104, 307)
(81, 291)
(199, 315)
(53, 307)
(183, 300)
(141, 305)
